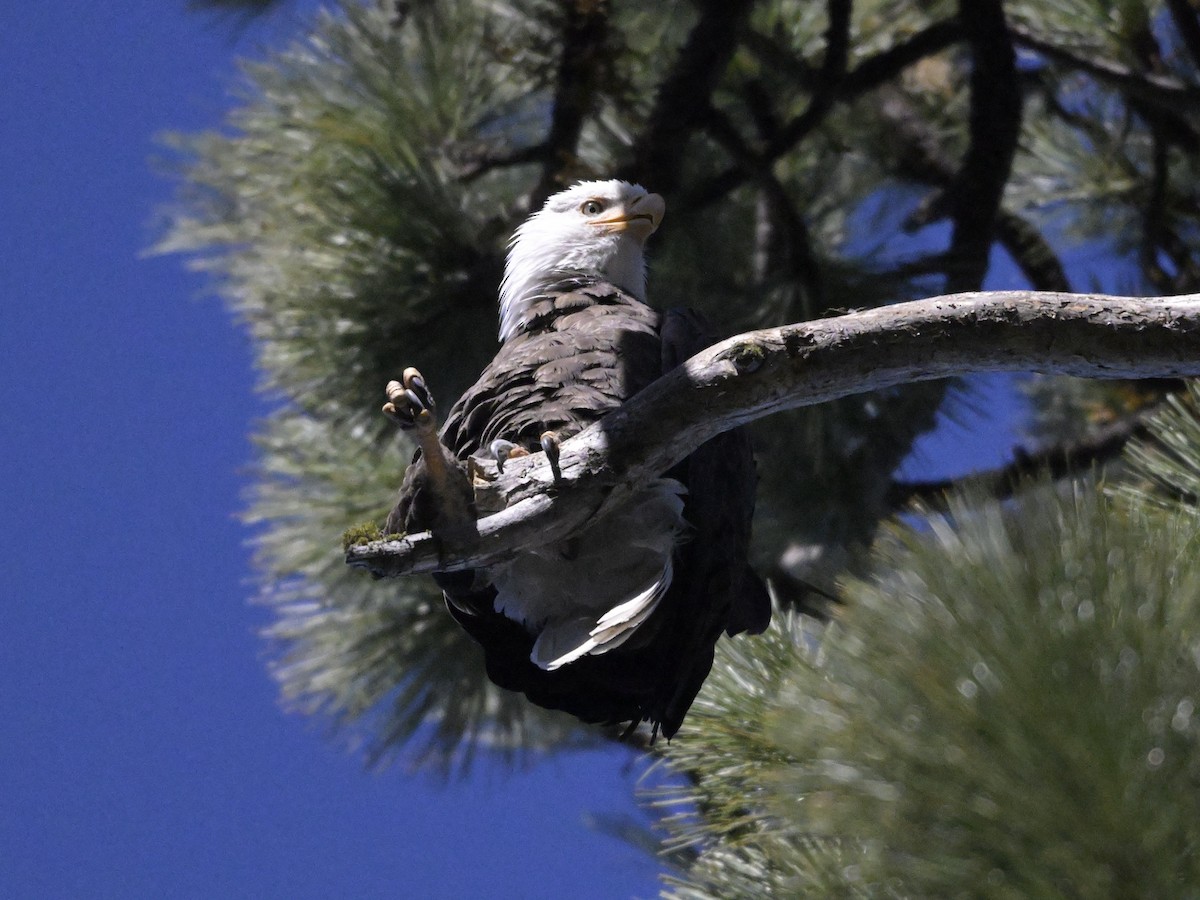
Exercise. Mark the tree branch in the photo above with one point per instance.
(685, 93)
(833, 69)
(885, 66)
(995, 123)
(1031, 252)
(1187, 21)
(763, 372)
(800, 258)
(871, 72)
(922, 159)
(825, 94)
(829, 83)
(584, 57)
(1166, 93)
(1058, 460)
(1154, 224)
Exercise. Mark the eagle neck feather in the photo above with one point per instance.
(529, 276)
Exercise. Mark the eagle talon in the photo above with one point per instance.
(414, 383)
(414, 401)
(503, 450)
(410, 404)
(552, 448)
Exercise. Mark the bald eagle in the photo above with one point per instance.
(617, 623)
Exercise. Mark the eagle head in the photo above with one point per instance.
(592, 228)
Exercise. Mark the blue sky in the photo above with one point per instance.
(144, 753)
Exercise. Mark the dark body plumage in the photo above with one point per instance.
(581, 350)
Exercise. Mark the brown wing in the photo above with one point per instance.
(586, 348)
(714, 589)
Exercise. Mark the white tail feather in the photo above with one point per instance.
(589, 595)
(562, 642)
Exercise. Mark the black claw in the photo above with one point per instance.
(552, 449)
(417, 390)
(401, 415)
(501, 450)
(415, 403)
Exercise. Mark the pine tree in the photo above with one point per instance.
(1003, 702)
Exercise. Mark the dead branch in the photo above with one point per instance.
(584, 58)
(1167, 93)
(685, 93)
(1187, 20)
(763, 372)
(1057, 461)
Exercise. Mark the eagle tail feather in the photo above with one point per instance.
(565, 641)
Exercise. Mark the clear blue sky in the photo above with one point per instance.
(143, 752)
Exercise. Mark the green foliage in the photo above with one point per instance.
(1007, 704)
(335, 234)
(333, 220)
(1169, 460)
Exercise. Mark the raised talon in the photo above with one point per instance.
(552, 448)
(503, 450)
(414, 400)
(410, 404)
(417, 390)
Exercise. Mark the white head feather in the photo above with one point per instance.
(593, 228)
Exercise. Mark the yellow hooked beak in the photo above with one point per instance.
(640, 217)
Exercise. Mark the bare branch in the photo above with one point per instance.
(763, 372)
(1187, 19)
(584, 58)
(1154, 226)
(923, 159)
(995, 123)
(1168, 94)
(1031, 252)
(827, 79)
(833, 69)
(885, 66)
(685, 93)
(801, 260)
(871, 72)
(1058, 461)
(481, 163)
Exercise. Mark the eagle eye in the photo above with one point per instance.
(591, 207)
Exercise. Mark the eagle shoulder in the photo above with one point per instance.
(580, 350)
